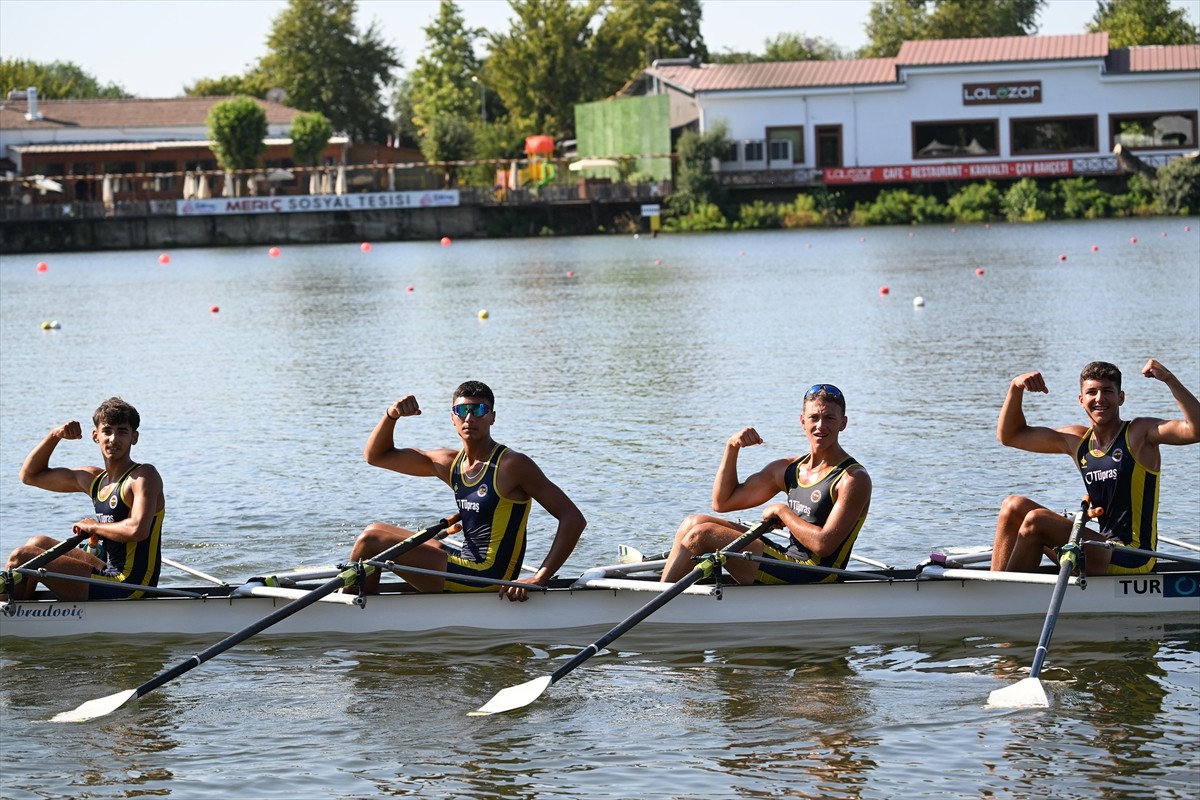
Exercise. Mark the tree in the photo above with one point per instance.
(636, 32)
(56, 80)
(252, 84)
(695, 183)
(798, 47)
(237, 129)
(445, 81)
(1142, 22)
(310, 134)
(891, 22)
(542, 67)
(326, 64)
(447, 138)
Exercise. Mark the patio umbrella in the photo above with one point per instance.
(593, 163)
(189, 186)
(106, 191)
(340, 187)
(227, 189)
(314, 182)
(203, 191)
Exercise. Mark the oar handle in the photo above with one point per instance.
(704, 569)
(10, 578)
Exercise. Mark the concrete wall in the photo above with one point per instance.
(136, 233)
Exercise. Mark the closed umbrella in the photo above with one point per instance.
(326, 183)
(227, 189)
(340, 188)
(391, 179)
(106, 191)
(189, 186)
(203, 191)
(314, 182)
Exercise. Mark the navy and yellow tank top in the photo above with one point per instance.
(128, 562)
(813, 503)
(1127, 492)
(493, 526)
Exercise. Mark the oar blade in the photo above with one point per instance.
(513, 697)
(1027, 693)
(96, 708)
(629, 555)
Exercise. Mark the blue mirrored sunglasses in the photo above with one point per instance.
(464, 410)
(827, 388)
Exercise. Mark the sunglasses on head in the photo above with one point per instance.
(827, 388)
(464, 410)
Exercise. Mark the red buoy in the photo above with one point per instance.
(884, 290)
(215, 309)
(164, 259)
(273, 252)
(42, 266)
(365, 247)
(979, 270)
(445, 241)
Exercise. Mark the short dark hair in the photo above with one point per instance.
(474, 389)
(115, 411)
(1101, 371)
(827, 392)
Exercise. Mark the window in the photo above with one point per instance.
(754, 150)
(1165, 129)
(162, 177)
(955, 139)
(785, 145)
(732, 155)
(1064, 135)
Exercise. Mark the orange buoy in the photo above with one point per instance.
(42, 266)
(445, 241)
(365, 247)
(273, 252)
(164, 259)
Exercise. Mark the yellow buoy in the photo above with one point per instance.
(483, 313)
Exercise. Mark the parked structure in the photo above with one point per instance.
(1005, 107)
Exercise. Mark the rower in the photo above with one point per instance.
(828, 494)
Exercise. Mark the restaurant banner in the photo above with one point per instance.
(949, 172)
(297, 204)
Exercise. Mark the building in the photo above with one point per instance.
(146, 148)
(999, 108)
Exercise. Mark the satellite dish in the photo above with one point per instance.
(276, 95)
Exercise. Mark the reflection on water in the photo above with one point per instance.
(621, 377)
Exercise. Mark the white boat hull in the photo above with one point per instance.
(906, 598)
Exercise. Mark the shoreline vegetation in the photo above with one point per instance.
(1172, 190)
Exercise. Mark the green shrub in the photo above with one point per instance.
(1138, 200)
(1024, 202)
(705, 217)
(758, 215)
(1080, 199)
(807, 211)
(899, 207)
(975, 202)
(1177, 187)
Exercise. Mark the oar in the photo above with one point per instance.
(347, 577)
(1178, 543)
(519, 696)
(193, 572)
(1028, 692)
(1138, 551)
(10, 579)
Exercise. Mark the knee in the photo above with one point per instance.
(1034, 522)
(1015, 508)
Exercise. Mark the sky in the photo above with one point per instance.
(154, 48)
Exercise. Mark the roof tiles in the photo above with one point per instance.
(1003, 49)
(179, 112)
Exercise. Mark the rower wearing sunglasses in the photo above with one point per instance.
(827, 496)
(494, 488)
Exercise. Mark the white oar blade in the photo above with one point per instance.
(513, 697)
(629, 555)
(1027, 693)
(96, 708)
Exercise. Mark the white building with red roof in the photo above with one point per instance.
(1001, 108)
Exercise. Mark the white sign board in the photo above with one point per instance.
(299, 204)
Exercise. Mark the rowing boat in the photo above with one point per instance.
(604, 595)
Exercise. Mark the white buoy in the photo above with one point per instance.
(918, 301)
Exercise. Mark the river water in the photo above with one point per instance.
(620, 365)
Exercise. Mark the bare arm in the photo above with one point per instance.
(731, 494)
(1013, 431)
(853, 498)
(381, 450)
(36, 470)
(530, 480)
(1173, 431)
(146, 489)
